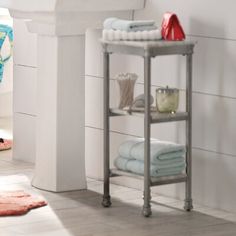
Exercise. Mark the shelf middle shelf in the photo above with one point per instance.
(156, 117)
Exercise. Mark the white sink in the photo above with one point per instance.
(60, 26)
(71, 5)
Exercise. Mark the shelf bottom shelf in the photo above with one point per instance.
(155, 181)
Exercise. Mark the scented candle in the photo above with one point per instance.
(167, 99)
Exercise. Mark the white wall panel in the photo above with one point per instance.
(94, 150)
(6, 104)
(94, 58)
(25, 79)
(199, 17)
(25, 53)
(214, 66)
(24, 127)
(214, 126)
(214, 180)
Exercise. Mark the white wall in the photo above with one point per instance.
(24, 89)
(7, 82)
(214, 99)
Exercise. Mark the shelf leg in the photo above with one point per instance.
(147, 133)
(106, 202)
(188, 189)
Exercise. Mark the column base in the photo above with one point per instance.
(36, 183)
(147, 212)
(106, 202)
(188, 204)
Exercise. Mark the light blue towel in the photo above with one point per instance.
(127, 25)
(137, 167)
(160, 151)
(122, 163)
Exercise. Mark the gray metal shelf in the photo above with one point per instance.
(153, 48)
(156, 117)
(155, 181)
(148, 50)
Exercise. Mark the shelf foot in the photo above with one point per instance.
(188, 204)
(147, 212)
(106, 202)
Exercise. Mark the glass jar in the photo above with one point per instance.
(167, 100)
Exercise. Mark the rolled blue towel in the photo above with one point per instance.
(160, 151)
(128, 25)
(121, 163)
(137, 167)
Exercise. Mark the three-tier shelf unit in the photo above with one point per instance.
(149, 50)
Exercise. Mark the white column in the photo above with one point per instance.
(60, 143)
(60, 109)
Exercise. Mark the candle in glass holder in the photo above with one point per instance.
(167, 99)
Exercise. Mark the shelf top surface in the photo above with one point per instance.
(154, 48)
(150, 44)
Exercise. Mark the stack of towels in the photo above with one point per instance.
(166, 158)
(117, 29)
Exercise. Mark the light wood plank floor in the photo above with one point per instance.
(80, 212)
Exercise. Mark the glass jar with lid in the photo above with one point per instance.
(167, 99)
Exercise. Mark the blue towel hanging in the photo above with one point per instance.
(5, 31)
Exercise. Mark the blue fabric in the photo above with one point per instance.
(159, 151)
(126, 25)
(5, 31)
(137, 167)
(1, 71)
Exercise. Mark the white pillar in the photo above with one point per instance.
(60, 133)
(60, 143)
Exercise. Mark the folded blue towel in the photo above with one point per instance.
(127, 25)
(137, 167)
(159, 151)
(122, 162)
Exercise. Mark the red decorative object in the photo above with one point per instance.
(18, 203)
(171, 28)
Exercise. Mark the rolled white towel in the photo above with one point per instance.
(116, 35)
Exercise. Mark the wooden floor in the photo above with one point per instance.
(80, 212)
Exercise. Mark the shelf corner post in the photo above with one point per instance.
(188, 206)
(106, 202)
(147, 133)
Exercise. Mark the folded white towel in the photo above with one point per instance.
(129, 25)
(113, 35)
